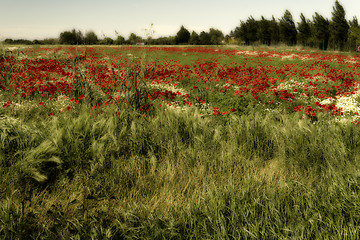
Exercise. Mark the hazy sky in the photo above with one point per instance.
(31, 19)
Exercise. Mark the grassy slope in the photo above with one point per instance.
(178, 175)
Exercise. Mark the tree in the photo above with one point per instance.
(247, 31)
(251, 28)
(264, 34)
(274, 31)
(120, 40)
(205, 38)
(133, 38)
(287, 29)
(67, 38)
(321, 30)
(71, 37)
(354, 33)
(339, 27)
(107, 41)
(90, 38)
(9, 41)
(50, 41)
(304, 30)
(216, 36)
(239, 32)
(194, 38)
(182, 36)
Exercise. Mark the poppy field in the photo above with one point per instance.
(179, 143)
(223, 82)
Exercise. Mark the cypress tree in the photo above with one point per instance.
(304, 31)
(182, 36)
(339, 27)
(321, 30)
(287, 29)
(274, 31)
(263, 32)
(251, 30)
(354, 34)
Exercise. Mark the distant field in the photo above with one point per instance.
(179, 143)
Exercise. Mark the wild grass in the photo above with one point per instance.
(176, 175)
(179, 176)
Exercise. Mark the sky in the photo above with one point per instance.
(40, 19)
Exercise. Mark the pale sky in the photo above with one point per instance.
(39, 19)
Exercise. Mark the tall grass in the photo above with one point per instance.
(179, 175)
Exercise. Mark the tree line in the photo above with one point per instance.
(336, 33)
(183, 36)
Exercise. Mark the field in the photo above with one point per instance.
(179, 143)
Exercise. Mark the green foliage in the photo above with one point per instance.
(263, 32)
(339, 27)
(216, 36)
(321, 30)
(72, 37)
(304, 31)
(182, 36)
(287, 29)
(354, 34)
(194, 38)
(247, 31)
(18, 41)
(275, 31)
(90, 38)
(134, 39)
(106, 41)
(120, 40)
(205, 38)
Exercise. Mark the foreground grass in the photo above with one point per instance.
(177, 175)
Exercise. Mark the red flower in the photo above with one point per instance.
(51, 114)
(41, 104)
(81, 97)
(233, 110)
(7, 104)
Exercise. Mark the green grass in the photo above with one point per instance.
(176, 175)
(179, 176)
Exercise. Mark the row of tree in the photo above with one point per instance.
(338, 33)
(183, 36)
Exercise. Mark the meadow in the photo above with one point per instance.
(179, 143)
